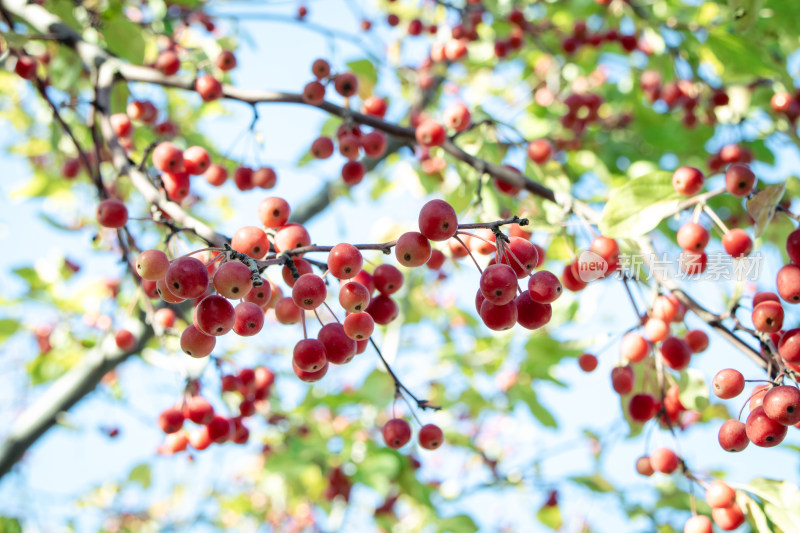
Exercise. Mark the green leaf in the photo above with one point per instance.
(367, 76)
(639, 205)
(781, 501)
(693, 390)
(457, 524)
(762, 206)
(550, 515)
(595, 483)
(8, 327)
(124, 38)
(9, 525)
(141, 474)
(755, 513)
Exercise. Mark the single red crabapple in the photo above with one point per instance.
(693, 237)
(697, 340)
(173, 443)
(320, 68)
(720, 494)
(274, 293)
(165, 294)
(374, 106)
(339, 347)
(353, 297)
(396, 433)
(642, 407)
(737, 243)
(165, 317)
(733, 436)
(438, 220)
(698, 524)
(346, 84)
(539, 151)
(198, 410)
(457, 250)
(762, 430)
(291, 236)
(170, 420)
(309, 355)
(152, 265)
(455, 49)
(247, 408)
(233, 280)
(544, 287)
(196, 343)
(322, 148)
(782, 404)
(309, 291)
(500, 317)
(570, 281)
(374, 144)
(457, 117)
(634, 347)
(789, 346)
(250, 240)
(121, 124)
(359, 326)
(71, 168)
(768, 317)
(388, 279)
(499, 284)
(214, 315)
(757, 396)
(587, 362)
(508, 188)
(687, 180)
(200, 439)
(430, 436)
(793, 246)
(265, 378)
(187, 278)
(436, 260)
(226, 61)
(168, 158)
(125, 340)
(247, 381)
(676, 353)
(664, 460)
(664, 309)
(216, 175)
(167, 62)
(412, 249)
(353, 172)
(208, 88)
(430, 133)
(261, 295)
(25, 67)
(382, 309)
(606, 248)
(177, 185)
(249, 319)
(739, 180)
(300, 265)
(531, 314)
(345, 261)
(656, 329)
(728, 518)
(313, 93)
(521, 255)
(243, 178)
(310, 377)
(287, 312)
(366, 279)
(692, 263)
(196, 160)
(112, 214)
(220, 429)
(788, 282)
(622, 378)
(643, 466)
(728, 383)
(481, 241)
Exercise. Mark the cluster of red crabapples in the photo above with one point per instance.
(251, 385)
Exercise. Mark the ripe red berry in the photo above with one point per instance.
(587, 362)
(501, 317)
(249, 319)
(287, 312)
(214, 315)
(309, 355)
(387, 278)
(226, 61)
(359, 326)
(664, 460)
(737, 243)
(396, 433)
(698, 524)
(728, 383)
(353, 297)
(243, 178)
(768, 317)
(196, 343)
(634, 347)
(762, 430)
(540, 151)
(125, 340)
(728, 518)
(171, 420)
(152, 265)
(643, 466)
(438, 220)
(374, 144)
(309, 292)
(187, 278)
(382, 309)
(739, 180)
(167, 62)
(622, 378)
(457, 117)
(720, 494)
(320, 68)
(374, 106)
(430, 133)
(346, 84)
(345, 261)
(544, 287)
(322, 148)
(177, 185)
(789, 346)
(291, 236)
(733, 436)
(261, 295)
(196, 160)
(233, 280)
(250, 240)
(112, 214)
(121, 124)
(313, 93)
(499, 284)
(168, 158)
(436, 260)
(676, 353)
(198, 410)
(687, 180)
(782, 404)
(216, 175)
(642, 407)
(531, 314)
(693, 237)
(788, 282)
(339, 347)
(25, 67)
(208, 88)
(430, 436)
